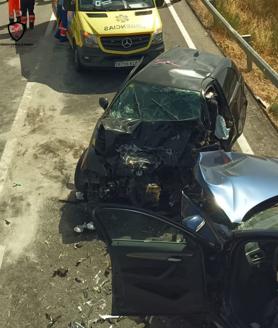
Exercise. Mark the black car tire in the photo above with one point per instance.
(76, 59)
(80, 180)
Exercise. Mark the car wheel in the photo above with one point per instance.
(77, 64)
(80, 180)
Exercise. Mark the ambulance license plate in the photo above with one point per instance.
(126, 63)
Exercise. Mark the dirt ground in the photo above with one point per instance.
(255, 79)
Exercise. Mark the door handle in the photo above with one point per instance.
(174, 259)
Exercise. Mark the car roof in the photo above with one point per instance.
(182, 68)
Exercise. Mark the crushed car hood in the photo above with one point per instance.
(175, 138)
(238, 182)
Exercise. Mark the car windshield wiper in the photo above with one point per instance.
(165, 110)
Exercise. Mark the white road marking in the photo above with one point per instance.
(10, 146)
(18, 122)
(181, 27)
(2, 251)
(11, 143)
(242, 141)
(244, 145)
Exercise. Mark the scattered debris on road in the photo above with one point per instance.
(86, 225)
(106, 317)
(77, 245)
(61, 272)
(79, 280)
(85, 293)
(51, 320)
(16, 185)
(79, 195)
(7, 222)
(75, 325)
(82, 259)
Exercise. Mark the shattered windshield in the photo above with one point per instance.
(149, 102)
(114, 5)
(266, 219)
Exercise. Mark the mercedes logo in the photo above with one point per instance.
(127, 43)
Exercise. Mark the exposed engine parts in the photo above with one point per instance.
(146, 164)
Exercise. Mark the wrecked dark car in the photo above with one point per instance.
(215, 263)
(146, 143)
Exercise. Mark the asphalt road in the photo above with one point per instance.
(50, 64)
(47, 113)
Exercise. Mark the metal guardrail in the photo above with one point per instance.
(252, 55)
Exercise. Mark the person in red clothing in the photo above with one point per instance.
(14, 10)
(28, 6)
(63, 7)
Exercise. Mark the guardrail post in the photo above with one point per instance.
(268, 71)
(248, 39)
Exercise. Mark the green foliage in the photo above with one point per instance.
(231, 17)
(263, 8)
(256, 17)
(274, 39)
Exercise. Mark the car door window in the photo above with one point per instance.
(157, 268)
(230, 84)
(131, 225)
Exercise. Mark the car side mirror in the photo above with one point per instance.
(198, 225)
(159, 3)
(103, 102)
(222, 132)
(194, 223)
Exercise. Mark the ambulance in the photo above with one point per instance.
(115, 33)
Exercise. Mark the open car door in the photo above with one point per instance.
(157, 267)
(232, 101)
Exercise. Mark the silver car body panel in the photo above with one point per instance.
(237, 181)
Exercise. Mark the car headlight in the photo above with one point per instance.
(90, 40)
(157, 37)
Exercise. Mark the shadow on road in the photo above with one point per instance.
(49, 62)
(74, 213)
(165, 322)
(3, 27)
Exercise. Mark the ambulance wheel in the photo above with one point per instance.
(77, 64)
